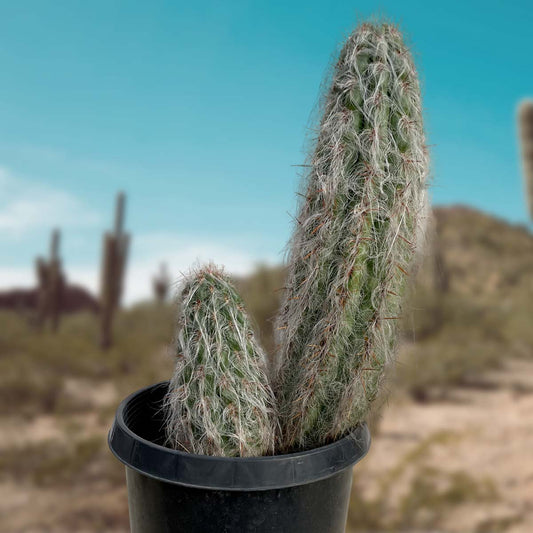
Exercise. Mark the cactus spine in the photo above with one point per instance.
(358, 225)
(219, 400)
(525, 125)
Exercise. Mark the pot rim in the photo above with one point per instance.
(228, 473)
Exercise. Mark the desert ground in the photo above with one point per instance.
(452, 437)
(463, 464)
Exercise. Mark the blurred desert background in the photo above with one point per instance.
(452, 440)
(202, 114)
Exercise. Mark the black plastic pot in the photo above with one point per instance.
(174, 491)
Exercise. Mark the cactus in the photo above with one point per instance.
(161, 284)
(360, 221)
(115, 250)
(51, 285)
(219, 401)
(441, 273)
(525, 125)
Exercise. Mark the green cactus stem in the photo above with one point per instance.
(219, 400)
(360, 221)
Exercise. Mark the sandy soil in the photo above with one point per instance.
(486, 431)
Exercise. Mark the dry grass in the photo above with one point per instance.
(58, 395)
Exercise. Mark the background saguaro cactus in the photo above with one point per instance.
(115, 250)
(358, 225)
(51, 282)
(525, 125)
(161, 284)
(219, 401)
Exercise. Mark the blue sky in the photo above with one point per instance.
(201, 110)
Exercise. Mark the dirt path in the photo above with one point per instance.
(486, 433)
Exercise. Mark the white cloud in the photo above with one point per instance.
(146, 254)
(26, 206)
(180, 254)
(20, 277)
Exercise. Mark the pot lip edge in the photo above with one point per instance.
(360, 436)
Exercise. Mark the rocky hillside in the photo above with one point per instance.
(484, 257)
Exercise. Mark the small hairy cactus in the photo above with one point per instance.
(359, 222)
(219, 400)
(525, 124)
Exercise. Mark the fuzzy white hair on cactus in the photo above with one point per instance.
(219, 400)
(360, 221)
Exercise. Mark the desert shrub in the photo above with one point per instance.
(34, 365)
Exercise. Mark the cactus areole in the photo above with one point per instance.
(222, 448)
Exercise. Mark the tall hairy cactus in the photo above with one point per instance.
(525, 125)
(359, 223)
(219, 400)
